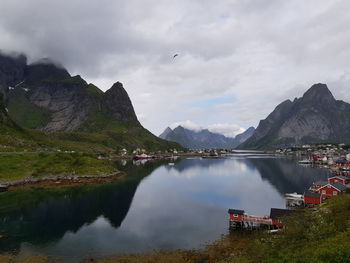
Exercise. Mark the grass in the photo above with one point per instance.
(26, 114)
(17, 166)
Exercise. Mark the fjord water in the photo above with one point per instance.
(158, 206)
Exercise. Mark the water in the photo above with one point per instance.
(157, 207)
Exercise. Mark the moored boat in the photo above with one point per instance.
(305, 161)
(142, 157)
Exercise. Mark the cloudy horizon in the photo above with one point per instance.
(237, 60)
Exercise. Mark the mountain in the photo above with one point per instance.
(12, 136)
(165, 133)
(203, 139)
(315, 117)
(43, 96)
(240, 138)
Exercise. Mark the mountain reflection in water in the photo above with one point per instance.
(157, 206)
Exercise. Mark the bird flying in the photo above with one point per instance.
(175, 55)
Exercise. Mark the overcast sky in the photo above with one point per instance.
(237, 59)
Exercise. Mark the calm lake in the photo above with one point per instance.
(158, 206)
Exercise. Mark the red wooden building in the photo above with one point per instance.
(312, 198)
(330, 190)
(236, 215)
(317, 185)
(339, 178)
(343, 163)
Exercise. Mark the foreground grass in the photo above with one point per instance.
(18, 166)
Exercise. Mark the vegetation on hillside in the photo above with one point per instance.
(17, 166)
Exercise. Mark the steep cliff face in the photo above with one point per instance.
(315, 117)
(45, 96)
(119, 103)
(12, 69)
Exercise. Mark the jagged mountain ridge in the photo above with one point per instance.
(315, 117)
(54, 110)
(45, 96)
(203, 139)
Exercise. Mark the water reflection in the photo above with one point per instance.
(41, 217)
(160, 206)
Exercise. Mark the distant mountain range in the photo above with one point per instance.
(204, 139)
(44, 96)
(316, 117)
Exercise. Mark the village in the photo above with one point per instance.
(320, 156)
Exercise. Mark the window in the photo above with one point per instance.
(335, 192)
(324, 192)
(235, 215)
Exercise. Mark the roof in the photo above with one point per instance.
(235, 211)
(312, 194)
(342, 161)
(277, 212)
(339, 186)
(340, 177)
(320, 183)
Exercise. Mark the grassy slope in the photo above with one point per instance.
(16, 166)
(25, 113)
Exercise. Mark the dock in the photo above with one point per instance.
(240, 219)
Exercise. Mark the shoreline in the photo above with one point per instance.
(55, 182)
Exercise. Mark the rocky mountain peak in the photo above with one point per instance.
(165, 133)
(45, 69)
(315, 117)
(318, 93)
(119, 103)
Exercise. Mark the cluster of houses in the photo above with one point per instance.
(323, 190)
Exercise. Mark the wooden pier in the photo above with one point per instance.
(240, 219)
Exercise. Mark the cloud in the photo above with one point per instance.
(257, 52)
(186, 124)
(229, 130)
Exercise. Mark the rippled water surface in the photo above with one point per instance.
(158, 206)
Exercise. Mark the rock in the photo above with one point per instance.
(315, 117)
(61, 102)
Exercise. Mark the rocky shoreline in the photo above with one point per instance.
(61, 181)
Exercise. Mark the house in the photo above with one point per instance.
(330, 190)
(317, 185)
(339, 178)
(342, 163)
(236, 215)
(312, 198)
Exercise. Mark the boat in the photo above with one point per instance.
(305, 161)
(142, 157)
(171, 164)
(294, 196)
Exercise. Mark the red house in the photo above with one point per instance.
(340, 179)
(236, 215)
(330, 190)
(317, 185)
(312, 198)
(343, 163)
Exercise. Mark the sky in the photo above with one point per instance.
(238, 59)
